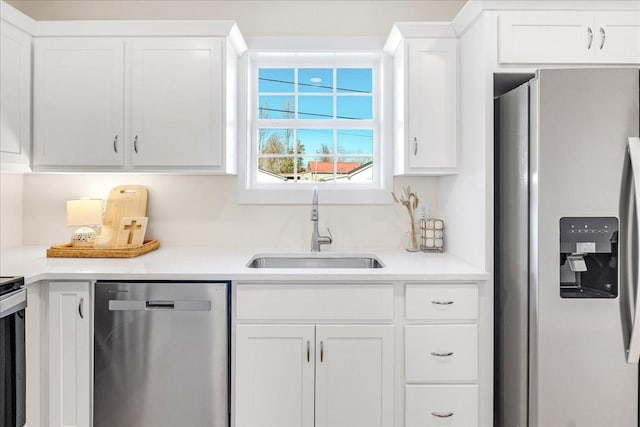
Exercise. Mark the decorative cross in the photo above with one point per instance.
(131, 228)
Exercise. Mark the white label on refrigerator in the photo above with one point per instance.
(585, 247)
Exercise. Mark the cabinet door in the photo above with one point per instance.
(569, 37)
(177, 107)
(432, 105)
(354, 376)
(78, 102)
(274, 375)
(15, 95)
(69, 354)
(534, 37)
(617, 38)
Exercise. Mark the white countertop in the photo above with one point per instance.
(205, 263)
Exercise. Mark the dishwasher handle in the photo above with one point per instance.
(158, 305)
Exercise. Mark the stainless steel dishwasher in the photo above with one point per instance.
(161, 354)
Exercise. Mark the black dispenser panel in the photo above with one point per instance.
(588, 257)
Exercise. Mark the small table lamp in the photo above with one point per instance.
(85, 213)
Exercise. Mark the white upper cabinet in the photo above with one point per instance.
(432, 96)
(78, 102)
(15, 89)
(618, 37)
(561, 37)
(177, 102)
(425, 98)
(107, 101)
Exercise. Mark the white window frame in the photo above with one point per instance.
(376, 192)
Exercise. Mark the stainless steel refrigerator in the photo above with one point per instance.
(566, 257)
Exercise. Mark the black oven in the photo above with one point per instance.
(13, 301)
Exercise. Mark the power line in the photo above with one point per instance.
(313, 85)
(309, 114)
(340, 132)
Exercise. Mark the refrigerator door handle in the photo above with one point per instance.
(633, 351)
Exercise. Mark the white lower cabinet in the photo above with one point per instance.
(354, 375)
(442, 302)
(69, 332)
(314, 375)
(441, 353)
(301, 359)
(441, 359)
(274, 383)
(441, 405)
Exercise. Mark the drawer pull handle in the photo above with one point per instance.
(441, 302)
(442, 354)
(442, 414)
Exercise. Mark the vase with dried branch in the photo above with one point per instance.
(410, 201)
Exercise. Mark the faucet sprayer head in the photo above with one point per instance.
(314, 204)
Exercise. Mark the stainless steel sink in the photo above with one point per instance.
(315, 261)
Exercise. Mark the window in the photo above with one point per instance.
(315, 119)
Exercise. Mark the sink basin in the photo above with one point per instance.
(315, 261)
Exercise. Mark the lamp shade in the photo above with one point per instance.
(84, 212)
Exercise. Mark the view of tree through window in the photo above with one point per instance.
(315, 124)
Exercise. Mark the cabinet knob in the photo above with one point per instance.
(603, 36)
(135, 144)
(115, 144)
(589, 37)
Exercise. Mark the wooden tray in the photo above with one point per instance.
(65, 250)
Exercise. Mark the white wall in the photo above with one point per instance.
(257, 18)
(10, 210)
(202, 210)
(464, 198)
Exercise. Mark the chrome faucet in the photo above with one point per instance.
(316, 239)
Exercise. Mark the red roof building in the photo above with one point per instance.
(327, 167)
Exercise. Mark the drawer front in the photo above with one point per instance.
(315, 302)
(446, 302)
(441, 353)
(438, 405)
